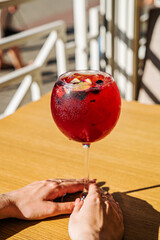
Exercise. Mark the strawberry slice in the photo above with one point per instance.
(60, 92)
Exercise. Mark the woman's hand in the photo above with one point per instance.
(99, 217)
(35, 201)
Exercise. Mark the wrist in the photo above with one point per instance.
(7, 208)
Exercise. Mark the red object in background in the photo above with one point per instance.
(85, 105)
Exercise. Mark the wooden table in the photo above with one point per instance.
(128, 160)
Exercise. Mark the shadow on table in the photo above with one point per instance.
(141, 220)
(11, 226)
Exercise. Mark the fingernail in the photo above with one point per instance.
(77, 201)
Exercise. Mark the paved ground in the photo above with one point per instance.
(32, 14)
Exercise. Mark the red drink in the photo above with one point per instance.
(85, 105)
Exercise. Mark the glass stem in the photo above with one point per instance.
(86, 162)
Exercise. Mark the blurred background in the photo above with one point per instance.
(121, 37)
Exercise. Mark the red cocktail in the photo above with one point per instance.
(85, 105)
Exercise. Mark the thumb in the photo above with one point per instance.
(63, 208)
(51, 209)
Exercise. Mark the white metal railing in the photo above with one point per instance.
(86, 42)
(114, 47)
(111, 44)
(7, 3)
(30, 76)
(121, 35)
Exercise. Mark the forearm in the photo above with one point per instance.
(6, 207)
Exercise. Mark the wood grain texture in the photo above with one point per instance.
(128, 160)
